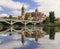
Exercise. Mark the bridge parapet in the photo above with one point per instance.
(21, 21)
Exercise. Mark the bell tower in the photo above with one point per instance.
(36, 14)
(23, 11)
(36, 10)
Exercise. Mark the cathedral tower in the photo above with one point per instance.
(36, 14)
(36, 10)
(23, 12)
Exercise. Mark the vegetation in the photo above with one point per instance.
(26, 16)
(51, 17)
(1, 26)
(51, 21)
(10, 17)
(46, 21)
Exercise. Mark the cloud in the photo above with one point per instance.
(3, 15)
(15, 13)
(12, 5)
(46, 6)
(1, 9)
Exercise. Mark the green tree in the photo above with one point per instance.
(52, 16)
(26, 16)
(5, 17)
(10, 17)
(46, 21)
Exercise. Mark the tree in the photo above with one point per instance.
(26, 16)
(5, 17)
(46, 21)
(10, 17)
(52, 17)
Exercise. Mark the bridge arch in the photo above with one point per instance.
(5, 26)
(30, 23)
(18, 25)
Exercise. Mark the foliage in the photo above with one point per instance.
(26, 16)
(10, 17)
(51, 17)
(5, 17)
(46, 21)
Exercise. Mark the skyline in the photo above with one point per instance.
(13, 7)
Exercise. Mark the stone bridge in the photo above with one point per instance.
(9, 22)
(12, 21)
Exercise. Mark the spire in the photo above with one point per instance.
(23, 7)
(36, 10)
(23, 10)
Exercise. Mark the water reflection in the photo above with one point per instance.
(34, 32)
(23, 37)
(52, 33)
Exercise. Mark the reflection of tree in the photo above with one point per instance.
(47, 29)
(52, 33)
(27, 34)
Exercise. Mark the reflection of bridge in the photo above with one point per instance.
(28, 29)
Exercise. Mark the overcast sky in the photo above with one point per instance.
(13, 7)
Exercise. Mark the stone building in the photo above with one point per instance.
(32, 15)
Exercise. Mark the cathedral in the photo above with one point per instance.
(32, 15)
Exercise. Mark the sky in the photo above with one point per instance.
(13, 7)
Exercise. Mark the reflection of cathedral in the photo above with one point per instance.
(32, 15)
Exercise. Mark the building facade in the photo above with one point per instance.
(32, 15)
